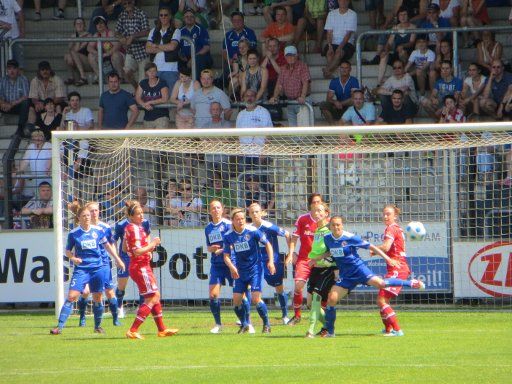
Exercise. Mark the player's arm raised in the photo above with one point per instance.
(384, 247)
(148, 248)
(378, 251)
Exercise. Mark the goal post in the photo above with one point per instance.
(450, 177)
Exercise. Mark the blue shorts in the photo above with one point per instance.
(361, 276)
(107, 279)
(276, 279)
(219, 274)
(252, 280)
(126, 261)
(93, 277)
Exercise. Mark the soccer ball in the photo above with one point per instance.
(415, 231)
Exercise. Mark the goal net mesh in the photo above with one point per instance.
(456, 183)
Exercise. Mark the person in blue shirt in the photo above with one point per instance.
(243, 241)
(201, 39)
(94, 209)
(342, 248)
(434, 21)
(114, 106)
(84, 250)
(233, 36)
(272, 231)
(123, 275)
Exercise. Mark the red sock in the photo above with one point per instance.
(388, 314)
(297, 303)
(157, 316)
(143, 312)
(324, 304)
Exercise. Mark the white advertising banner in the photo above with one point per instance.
(483, 269)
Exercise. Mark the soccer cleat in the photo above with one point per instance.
(309, 335)
(238, 322)
(99, 330)
(294, 320)
(243, 329)
(81, 322)
(322, 332)
(120, 313)
(266, 329)
(417, 284)
(327, 335)
(394, 333)
(116, 323)
(55, 331)
(134, 335)
(252, 331)
(216, 329)
(286, 320)
(168, 332)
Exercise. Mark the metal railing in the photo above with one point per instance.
(453, 31)
(8, 44)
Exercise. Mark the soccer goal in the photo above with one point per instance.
(455, 179)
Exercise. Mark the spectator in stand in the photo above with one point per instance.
(202, 98)
(315, 13)
(273, 61)
(294, 10)
(48, 120)
(280, 29)
(45, 85)
(40, 207)
(339, 95)
(495, 89)
(132, 24)
(217, 191)
(108, 9)
(12, 22)
(361, 112)
(505, 109)
(189, 206)
(233, 36)
(473, 14)
(398, 112)
(36, 162)
(114, 106)
(148, 205)
(255, 77)
(163, 47)
(59, 15)
(400, 80)
(341, 26)
(417, 10)
(238, 65)
(181, 96)
(256, 193)
(217, 119)
(446, 85)
(488, 50)
(171, 189)
(445, 54)
(201, 38)
(112, 57)
(200, 12)
(472, 90)
(14, 92)
(151, 92)
(423, 60)
(449, 9)
(398, 46)
(450, 113)
(217, 162)
(77, 56)
(220, 8)
(294, 83)
(433, 21)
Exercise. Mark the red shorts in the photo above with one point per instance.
(302, 270)
(391, 292)
(145, 280)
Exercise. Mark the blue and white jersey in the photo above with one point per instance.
(232, 38)
(87, 246)
(271, 231)
(245, 247)
(344, 251)
(215, 236)
(119, 234)
(110, 239)
(199, 36)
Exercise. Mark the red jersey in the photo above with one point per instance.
(305, 231)
(397, 251)
(136, 238)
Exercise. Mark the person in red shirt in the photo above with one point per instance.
(139, 247)
(394, 247)
(305, 230)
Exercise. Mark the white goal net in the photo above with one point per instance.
(455, 179)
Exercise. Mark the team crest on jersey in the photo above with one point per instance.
(247, 237)
(94, 235)
(344, 243)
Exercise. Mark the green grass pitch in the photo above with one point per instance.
(438, 347)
